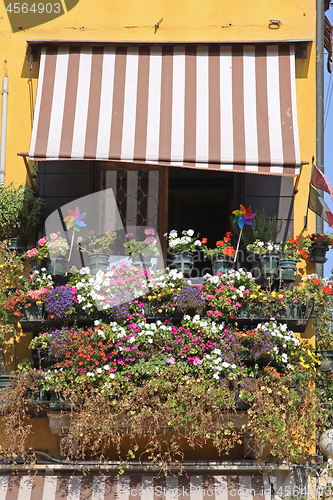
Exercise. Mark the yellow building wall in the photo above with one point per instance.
(180, 20)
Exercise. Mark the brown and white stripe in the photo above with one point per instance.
(228, 107)
(134, 487)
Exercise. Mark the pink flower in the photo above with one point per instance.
(129, 235)
(171, 361)
(42, 241)
(32, 253)
(150, 240)
(150, 231)
(196, 361)
(53, 236)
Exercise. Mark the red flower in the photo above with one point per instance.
(204, 241)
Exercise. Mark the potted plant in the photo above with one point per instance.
(316, 245)
(291, 253)
(222, 255)
(267, 254)
(324, 330)
(181, 249)
(21, 213)
(98, 249)
(142, 251)
(50, 252)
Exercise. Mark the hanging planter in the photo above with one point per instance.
(98, 262)
(221, 264)
(183, 261)
(318, 253)
(288, 270)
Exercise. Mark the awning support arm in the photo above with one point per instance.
(24, 156)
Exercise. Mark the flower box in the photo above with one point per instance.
(296, 316)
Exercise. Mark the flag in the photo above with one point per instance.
(319, 181)
(317, 204)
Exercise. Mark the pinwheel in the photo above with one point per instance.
(74, 220)
(242, 216)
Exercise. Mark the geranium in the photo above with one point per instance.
(313, 240)
(40, 279)
(146, 247)
(292, 249)
(260, 247)
(187, 242)
(98, 244)
(49, 247)
(222, 248)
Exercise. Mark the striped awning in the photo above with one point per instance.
(133, 487)
(224, 107)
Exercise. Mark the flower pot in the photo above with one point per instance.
(6, 382)
(318, 253)
(326, 364)
(183, 261)
(141, 261)
(98, 262)
(34, 311)
(268, 264)
(326, 443)
(221, 264)
(35, 265)
(18, 245)
(56, 266)
(288, 270)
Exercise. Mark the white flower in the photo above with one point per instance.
(260, 243)
(106, 367)
(112, 375)
(90, 374)
(99, 370)
(225, 364)
(190, 232)
(173, 233)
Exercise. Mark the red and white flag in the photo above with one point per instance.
(319, 181)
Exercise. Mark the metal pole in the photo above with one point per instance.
(320, 16)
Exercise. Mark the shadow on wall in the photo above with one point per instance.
(27, 14)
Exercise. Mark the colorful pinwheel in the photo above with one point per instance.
(74, 220)
(243, 216)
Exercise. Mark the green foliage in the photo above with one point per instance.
(264, 228)
(20, 211)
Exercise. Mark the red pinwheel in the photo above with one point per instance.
(243, 216)
(74, 219)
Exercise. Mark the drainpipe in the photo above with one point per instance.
(320, 16)
(3, 129)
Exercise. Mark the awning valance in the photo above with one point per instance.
(131, 487)
(224, 107)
